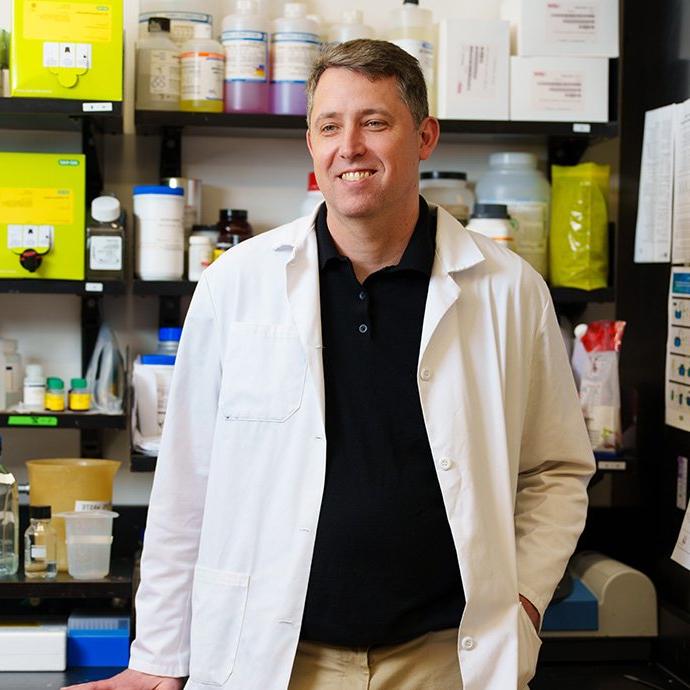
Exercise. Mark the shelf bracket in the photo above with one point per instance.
(171, 152)
(90, 146)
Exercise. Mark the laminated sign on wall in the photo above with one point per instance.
(678, 350)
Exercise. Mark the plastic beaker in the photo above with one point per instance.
(89, 538)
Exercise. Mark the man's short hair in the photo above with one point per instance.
(375, 60)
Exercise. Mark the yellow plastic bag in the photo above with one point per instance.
(579, 247)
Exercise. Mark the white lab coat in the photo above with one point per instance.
(239, 481)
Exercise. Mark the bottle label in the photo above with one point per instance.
(531, 233)
(202, 76)
(423, 51)
(246, 56)
(165, 74)
(293, 54)
(38, 552)
(105, 253)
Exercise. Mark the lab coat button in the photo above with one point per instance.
(445, 464)
(467, 643)
(425, 374)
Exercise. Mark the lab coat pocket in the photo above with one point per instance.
(529, 644)
(219, 599)
(264, 373)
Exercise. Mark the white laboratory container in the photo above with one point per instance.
(350, 27)
(159, 232)
(158, 68)
(200, 256)
(513, 179)
(183, 16)
(412, 29)
(34, 388)
(449, 190)
(492, 220)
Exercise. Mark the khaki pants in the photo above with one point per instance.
(429, 662)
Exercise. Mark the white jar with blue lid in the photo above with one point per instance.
(159, 232)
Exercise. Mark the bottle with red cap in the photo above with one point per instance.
(313, 198)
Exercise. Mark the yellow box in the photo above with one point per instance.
(67, 49)
(42, 200)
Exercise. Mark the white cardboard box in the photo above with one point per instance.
(585, 28)
(554, 89)
(473, 69)
(33, 646)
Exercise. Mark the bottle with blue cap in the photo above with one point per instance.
(159, 232)
(168, 340)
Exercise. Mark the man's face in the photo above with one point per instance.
(365, 145)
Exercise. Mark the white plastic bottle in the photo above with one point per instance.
(183, 16)
(513, 179)
(314, 196)
(350, 27)
(245, 40)
(412, 29)
(202, 68)
(158, 68)
(34, 388)
(295, 46)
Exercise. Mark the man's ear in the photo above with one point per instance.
(429, 133)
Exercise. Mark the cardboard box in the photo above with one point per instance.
(42, 208)
(67, 49)
(585, 28)
(559, 89)
(473, 70)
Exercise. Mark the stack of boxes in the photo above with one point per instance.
(545, 60)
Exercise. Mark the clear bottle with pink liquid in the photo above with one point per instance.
(295, 44)
(245, 39)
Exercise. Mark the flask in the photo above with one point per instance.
(202, 66)
(245, 39)
(233, 228)
(40, 545)
(295, 46)
(158, 68)
(105, 240)
(412, 29)
(9, 521)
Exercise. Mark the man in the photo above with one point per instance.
(419, 547)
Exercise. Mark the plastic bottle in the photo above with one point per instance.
(9, 520)
(183, 16)
(202, 66)
(200, 256)
(350, 27)
(450, 190)
(34, 388)
(493, 221)
(314, 196)
(294, 48)
(233, 228)
(513, 179)
(245, 39)
(40, 545)
(55, 394)
(13, 372)
(158, 68)
(412, 29)
(79, 398)
(105, 240)
(168, 340)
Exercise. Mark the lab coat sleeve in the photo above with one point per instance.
(556, 463)
(163, 601)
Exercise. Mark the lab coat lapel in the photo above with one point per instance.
(302, 283)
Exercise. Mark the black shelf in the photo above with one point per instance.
(39, 286)
(232, 124)
(142, 463)
(564, 295)
(117, 584)
(169, 288)
(61, 420)
(59, 114)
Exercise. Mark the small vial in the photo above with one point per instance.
(40, 545)
(55, 394)
(79, 398)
